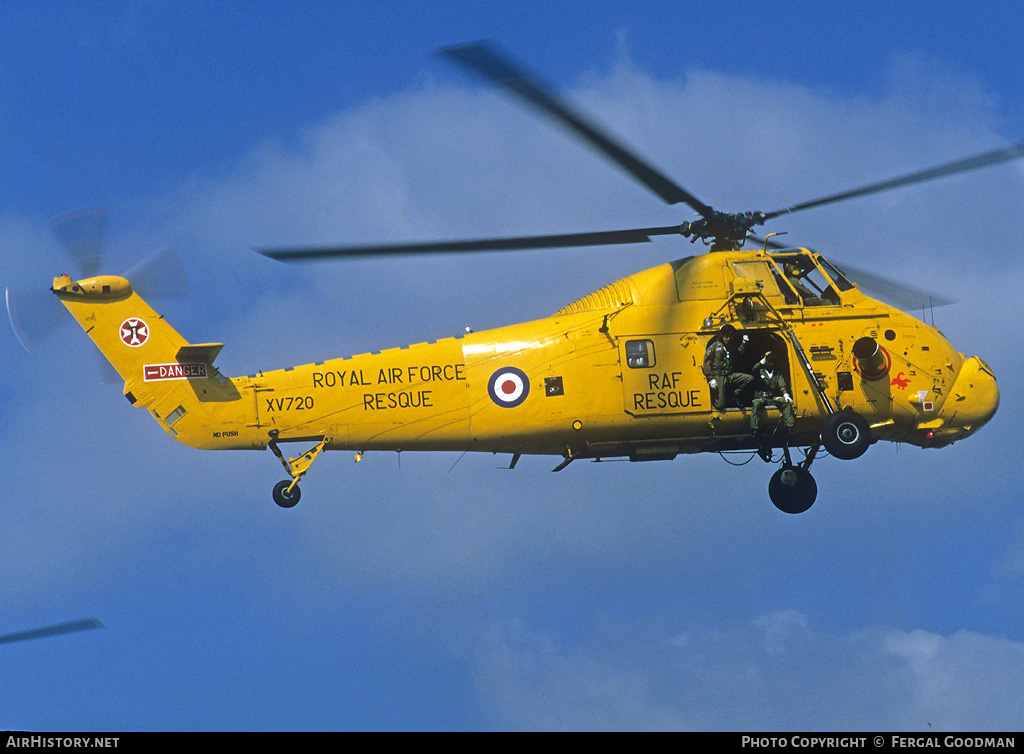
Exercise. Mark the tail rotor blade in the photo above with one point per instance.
(84, 235)
(160, 274)
(33, 315)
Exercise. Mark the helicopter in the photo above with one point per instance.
(619, 373)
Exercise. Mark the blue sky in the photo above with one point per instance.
(433, 592)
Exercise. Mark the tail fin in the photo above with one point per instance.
(161, 370)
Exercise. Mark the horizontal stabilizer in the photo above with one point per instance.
(202, 353)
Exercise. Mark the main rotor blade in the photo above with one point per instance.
(61, 628)
(485, 60)
(899, 294)
(993, 157)
(522, 243)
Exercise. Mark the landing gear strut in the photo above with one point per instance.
(287, 492)
(792, 488)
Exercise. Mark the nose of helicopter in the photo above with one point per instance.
(971, 402)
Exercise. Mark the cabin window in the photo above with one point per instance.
(639, 354)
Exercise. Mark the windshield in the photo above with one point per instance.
(833, 272)
(806, 283)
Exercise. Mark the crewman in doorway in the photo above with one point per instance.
(719, 356)
(771, 390)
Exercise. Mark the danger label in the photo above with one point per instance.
(151, 372)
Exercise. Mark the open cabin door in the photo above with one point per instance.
(662, 374)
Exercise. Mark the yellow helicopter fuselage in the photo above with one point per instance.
(618, 373)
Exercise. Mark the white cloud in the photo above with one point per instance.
(777, 672)
(964, 681)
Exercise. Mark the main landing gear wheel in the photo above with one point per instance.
(283, 497)
(792, 489)
(846, 435)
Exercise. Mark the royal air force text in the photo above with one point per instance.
(408, 380)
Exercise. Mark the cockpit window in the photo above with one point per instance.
(812, 288)
(837, 277)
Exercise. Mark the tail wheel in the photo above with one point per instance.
(846, 435)
(283, 497)
(792, 489)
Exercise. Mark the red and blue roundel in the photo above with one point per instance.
(508, 387)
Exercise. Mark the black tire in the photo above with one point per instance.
(846, 435)
(792, 489)
(284, 498)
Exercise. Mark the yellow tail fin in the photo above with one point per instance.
(162, 371)
(124, 327)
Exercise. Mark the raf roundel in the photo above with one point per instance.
(134, 332)
(508, 387)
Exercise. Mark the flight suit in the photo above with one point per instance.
(718, 367)
(771, 391)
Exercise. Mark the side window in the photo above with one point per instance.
(760, 271)
(639, 354)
